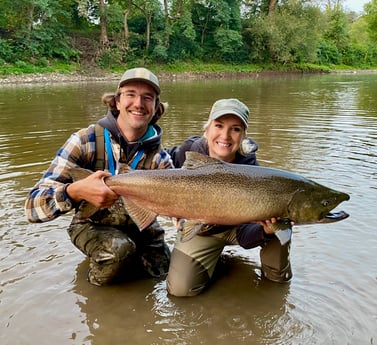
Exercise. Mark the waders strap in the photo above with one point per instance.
(110, 156)
(100, 148)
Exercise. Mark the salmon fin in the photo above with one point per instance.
(196, 160)
(190, 229)
(79, 173)
(85, 210)
(140, 215)
(283, 230)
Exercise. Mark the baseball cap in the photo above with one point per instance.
(230, 106)
(140, 74)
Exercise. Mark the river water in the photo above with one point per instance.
(323, 127)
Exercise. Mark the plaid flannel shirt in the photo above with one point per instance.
(48, 199)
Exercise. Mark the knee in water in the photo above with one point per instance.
(122, 248)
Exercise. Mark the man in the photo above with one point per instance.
(126, 138)
(193, 262)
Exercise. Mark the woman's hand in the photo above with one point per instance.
(268, 225)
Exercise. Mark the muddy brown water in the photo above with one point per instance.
(323, 127)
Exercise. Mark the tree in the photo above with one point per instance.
(371, 19)
(104, 40)
(148, 9)
(125, 24)
(290, 35)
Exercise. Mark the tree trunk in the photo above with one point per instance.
(125, 25)
(148, 33)
(104, 40)
(272, 7)
(167, 24)
(30, 19)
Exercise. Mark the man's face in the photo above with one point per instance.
(136, 106)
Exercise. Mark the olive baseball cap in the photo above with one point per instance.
(230, 106)
(140, 74)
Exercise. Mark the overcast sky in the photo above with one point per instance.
(355, 5)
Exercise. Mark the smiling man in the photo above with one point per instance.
(193, 262)
(126, 138)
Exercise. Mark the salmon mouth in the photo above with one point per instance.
(334, 217)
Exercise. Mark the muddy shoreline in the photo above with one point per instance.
(102, 76)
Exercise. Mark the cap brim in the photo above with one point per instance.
(224, 112)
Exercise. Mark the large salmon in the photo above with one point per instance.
(208, 191)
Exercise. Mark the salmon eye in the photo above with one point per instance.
(325, 203)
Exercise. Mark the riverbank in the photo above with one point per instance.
(100, 76)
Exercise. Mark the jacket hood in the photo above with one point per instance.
(151, 143)
(199, 144)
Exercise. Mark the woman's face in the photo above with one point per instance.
(224, 136)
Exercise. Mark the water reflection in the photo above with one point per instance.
(323, 127)
(143, 310)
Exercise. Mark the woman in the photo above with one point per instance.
(193, 262)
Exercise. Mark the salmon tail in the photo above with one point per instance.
(140, 215)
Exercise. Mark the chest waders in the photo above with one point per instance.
(113, 243)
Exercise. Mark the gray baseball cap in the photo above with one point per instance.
(140, 74)
(230, 106)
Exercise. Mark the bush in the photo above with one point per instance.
(6, 51)
(328, 54)
(160, 54)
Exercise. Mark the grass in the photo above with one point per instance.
(21, 67)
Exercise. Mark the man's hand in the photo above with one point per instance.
(93, 189)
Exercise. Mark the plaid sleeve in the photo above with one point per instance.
(48, 199)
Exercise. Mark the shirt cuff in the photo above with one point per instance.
(63, 202)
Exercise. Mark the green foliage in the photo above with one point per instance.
(337, 29)
(288, 36)
(298, 33)
(6, 51)
(160, 54)
(371, 19)
(110, 57)
(229, 43)
(328, 53)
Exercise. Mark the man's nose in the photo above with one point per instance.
(138, 101)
